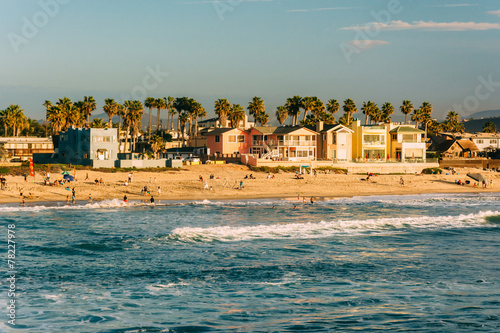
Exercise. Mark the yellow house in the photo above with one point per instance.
(369, 142)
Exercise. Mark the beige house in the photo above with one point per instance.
(334, 142)
(407, 144)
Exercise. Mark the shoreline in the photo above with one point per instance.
(185, 185)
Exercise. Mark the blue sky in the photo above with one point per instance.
(444, 52)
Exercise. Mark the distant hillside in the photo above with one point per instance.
(485, 114)
(476, 125)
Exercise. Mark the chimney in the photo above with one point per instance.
(319, 126)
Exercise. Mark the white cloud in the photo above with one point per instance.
(319, 9)
(429, 26)
(496, 12)
(367, 44)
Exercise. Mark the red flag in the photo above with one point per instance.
(32, 168)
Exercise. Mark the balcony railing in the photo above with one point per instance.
(373, 143)
(283, 143)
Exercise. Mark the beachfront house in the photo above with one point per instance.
(484, 141)
(334, 142)
(285, 143)
(453, 148)
(228, 141)
(407, 144)
(22, 148)
(97, 147)
(369, 142)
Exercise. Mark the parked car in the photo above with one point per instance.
(192, 159)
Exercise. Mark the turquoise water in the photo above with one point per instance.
(427, 263)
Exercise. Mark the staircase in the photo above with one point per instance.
(270, 152)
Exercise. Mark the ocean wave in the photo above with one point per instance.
(325, 229)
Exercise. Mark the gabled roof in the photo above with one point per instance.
(265, 129)
(223, 130)
(330, 127)
(444, 146)
(281, 129)
(406, 129)
(468, 145)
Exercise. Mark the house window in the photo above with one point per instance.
(217, 138)
(334, 138)
(395, 137)
(480, 141)
(324, 137)
(232, 138)
(302, 153)
(493, 141)
(241, 138)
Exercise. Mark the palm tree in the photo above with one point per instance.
(150, 103)
(293, 106)
(198, 111)
(48, 105)
(68, 112)
(417, 116)
(452, 122)
(489, 127)
(281, 114)
(121, 111)
(19, 120)
(256, 107)
(350, 109)
(236, 115)
(369, 110)
(263, 118)
(156, 143)
(308, 104)
(111, 109)
(181, 104)
(222, 109)
(183, 119)
(14, 118)
(426, 108)
(387, 110)
(160, 104)
(169, 106)
(406, 108)
(56, 118)
(98, 123)
(333, 106)
(89, 105)
(132, 119)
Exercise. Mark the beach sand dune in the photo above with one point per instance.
(185, 184)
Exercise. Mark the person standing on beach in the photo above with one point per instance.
(90, 198)
(152, 200)
(125, 198)
(159, 190)
(67, 200)
(241, 184)
(73, 199)
(312, 200)
(401, 181)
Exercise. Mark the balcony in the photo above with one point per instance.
(373, 143)
(284, 143)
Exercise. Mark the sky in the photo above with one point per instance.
(444, 52)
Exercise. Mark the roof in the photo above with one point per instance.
(181, 150)
(281, 129)
(265, 129)
(222, 130)
(406, 129)
(208, 120)
(467, 145)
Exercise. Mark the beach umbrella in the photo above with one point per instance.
(476, 176)
(69, 178)
(65, 173)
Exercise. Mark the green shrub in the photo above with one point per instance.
(431, 171)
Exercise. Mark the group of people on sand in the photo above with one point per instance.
(249, 177)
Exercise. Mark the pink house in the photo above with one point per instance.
(285, 143)
(228, 141)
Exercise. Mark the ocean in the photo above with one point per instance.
(420, 263)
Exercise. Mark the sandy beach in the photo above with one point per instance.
(185, 184)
